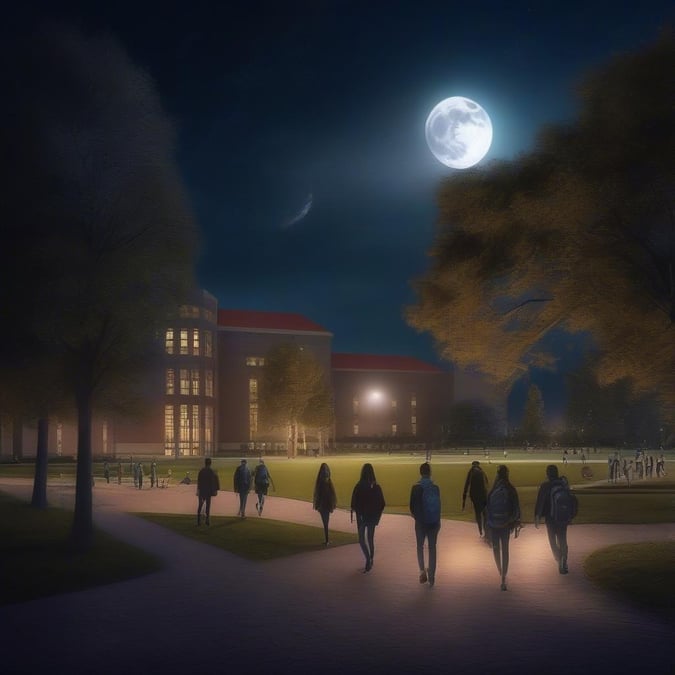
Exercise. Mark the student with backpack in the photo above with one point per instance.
(503, 515)
(261, 482)
(368, 504)
(242, 485)
(425, 507)
(557, 506)
(476, 484)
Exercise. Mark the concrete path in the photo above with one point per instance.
(318, 612)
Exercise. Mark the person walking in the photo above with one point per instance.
(476, 485)
(368, 504)
(242, 485)
(106, 472)
(154, 481)
(557, 506)
(207, 487)
(139, 471)
(325, 499)
(503, 515)
(261, 482)
(119, 473)
(425, 507)
(134, 471)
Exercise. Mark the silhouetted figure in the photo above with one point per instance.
(119, 473)
(262, 478)
(551, 506)
(325, 499)
(425, 507)
(503, 515)
(154, 481)
(242, 485)
(186, 479)
(207, 487)
(140, 475)
(476, 484)
(368, 504)
(106, 472)
(134, 472)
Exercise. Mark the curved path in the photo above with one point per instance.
(319, 613)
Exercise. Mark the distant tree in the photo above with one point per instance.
(532, 426)
(578, 235)
(293, 391)
(102, 242)
(472, 420)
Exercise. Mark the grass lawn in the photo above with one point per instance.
(640, 573)
(35, 559)
(252, 538)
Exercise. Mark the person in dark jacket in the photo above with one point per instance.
(368, 504)
(476, 485)
(557, 532)
(427, 524)
(207, 487)
(242, 485)
(503, 516)
(325, 499)
(262, 478)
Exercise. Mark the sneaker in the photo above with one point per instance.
(423, 577)
(432, 580)
(503, 586)
(369, 566)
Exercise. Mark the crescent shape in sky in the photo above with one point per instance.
(301, 213)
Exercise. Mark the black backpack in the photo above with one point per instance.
(564, 504)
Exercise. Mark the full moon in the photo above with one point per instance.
(459, 132)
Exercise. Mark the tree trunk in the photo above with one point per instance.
(83, 526)
(39, 500)
(17, 438)
(304, 439)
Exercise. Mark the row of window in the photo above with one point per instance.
(189, 341)
(194, 312)
(189, 381)
(394, 427)
(194, 432)
(394, 403)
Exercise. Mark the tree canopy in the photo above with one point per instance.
(577, 235)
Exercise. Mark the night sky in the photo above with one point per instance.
(275, 102)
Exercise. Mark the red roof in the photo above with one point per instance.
(379, 362)
(245, 318)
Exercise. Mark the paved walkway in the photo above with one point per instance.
(318, 613)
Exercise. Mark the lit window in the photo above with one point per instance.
(209, 315)
(184, 431)
(168, 341)
(194, 386)
(252, 407)
(414, 428)
(253, 389)
(59, 439)
(169, 433)
(195, 342)
(394, 429)
(104, 437)
(184, 382)
(184, 341)
(208, 343)
(188, 312)
(255, 360)
(208, 429)
(170, 381)
(393, 403)
(356, 430)
(208, 383)
(195, 429)
(413, 401)
(355, 405)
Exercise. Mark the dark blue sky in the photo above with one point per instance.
(274, 101)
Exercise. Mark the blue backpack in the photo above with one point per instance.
(499, 507)
(262, 476)
(431, 504)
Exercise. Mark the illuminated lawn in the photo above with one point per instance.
(35, 560)
(639, 573)
(252, 538)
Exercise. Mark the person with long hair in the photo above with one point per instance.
(503, 516)
(368, 504)
(325, 499)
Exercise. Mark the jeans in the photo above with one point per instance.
(430, 533)
(479, 513)
(325, 516)
(557, 538)
(499, 536)
(366, 530)
(202, 501)
(243, 497)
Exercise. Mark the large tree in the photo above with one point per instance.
(294, 392)
(102, 241)
(578, 234)
(533, 423)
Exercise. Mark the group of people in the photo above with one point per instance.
(641, 467)
(137, 471)
(496, 509)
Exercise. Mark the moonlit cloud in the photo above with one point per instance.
(301, 213)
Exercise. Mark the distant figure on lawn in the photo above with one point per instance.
(262, 478)
(134, 472)
(557, 506)
(207, 487)
(119, 473)
(325, 499)
(242, 485)
(368, 504)
(503, 515)
(154, 481)
(476, 485)
(139, 473)
(106, 472)
(425, 507)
